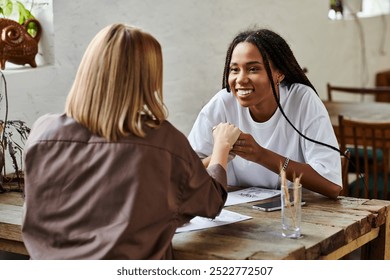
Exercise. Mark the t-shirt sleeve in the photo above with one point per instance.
(324, 159)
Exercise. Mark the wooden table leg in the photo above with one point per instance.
(379, 248)
(387, 236)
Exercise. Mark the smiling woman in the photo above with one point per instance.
(261, 75)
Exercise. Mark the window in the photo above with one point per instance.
(348, 9)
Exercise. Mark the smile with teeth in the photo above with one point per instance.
(244, 92)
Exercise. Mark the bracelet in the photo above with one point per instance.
(287, 160)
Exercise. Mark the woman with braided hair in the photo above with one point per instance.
(284, 124)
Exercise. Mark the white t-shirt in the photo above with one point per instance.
(303, 108)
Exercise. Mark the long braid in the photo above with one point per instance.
(281, 56)
(225, 77)
(238, 39)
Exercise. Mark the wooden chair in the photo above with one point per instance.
(370, 143)
(344, 171)
(382, 79)
(381, 93)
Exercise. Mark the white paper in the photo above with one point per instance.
(224, 218)
(249, 195)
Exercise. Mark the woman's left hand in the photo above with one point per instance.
(247, 148)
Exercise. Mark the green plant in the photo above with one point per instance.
(8, 8)
(13, 134)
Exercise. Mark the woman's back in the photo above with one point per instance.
(88, 198)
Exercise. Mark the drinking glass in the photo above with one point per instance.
(291, 197)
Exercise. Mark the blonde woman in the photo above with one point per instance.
(111, 178)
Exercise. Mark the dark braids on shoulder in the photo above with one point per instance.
(272, 47)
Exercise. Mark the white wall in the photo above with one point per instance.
(194, 35)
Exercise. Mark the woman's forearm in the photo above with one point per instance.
(310, 180)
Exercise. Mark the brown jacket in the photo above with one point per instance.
(87, 198)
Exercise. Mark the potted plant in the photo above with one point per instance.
(13, 134)
(9, 7)
(19, 39)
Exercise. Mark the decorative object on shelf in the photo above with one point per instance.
(16, 44)
(18, 39)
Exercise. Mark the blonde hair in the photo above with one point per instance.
(118, 86)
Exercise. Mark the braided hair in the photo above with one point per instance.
(272, 47)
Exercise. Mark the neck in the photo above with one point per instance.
(263, 112)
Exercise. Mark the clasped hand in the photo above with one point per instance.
(246, 147)
(241, 144)
(226, 133)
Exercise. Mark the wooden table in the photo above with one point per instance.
(366, 111)
(10, 223)
(330, 229)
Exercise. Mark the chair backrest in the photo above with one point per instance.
(344, 171)
(378, 92)
(369, 144)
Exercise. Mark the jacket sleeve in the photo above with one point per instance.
(205, 192)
